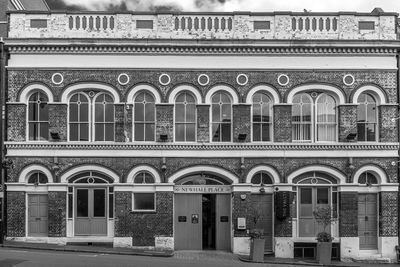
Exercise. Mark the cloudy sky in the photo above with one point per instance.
(227, 5)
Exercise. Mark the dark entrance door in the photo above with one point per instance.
(263, 202)
(367, 221)
(37, 215)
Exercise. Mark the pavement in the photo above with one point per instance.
(184, 255)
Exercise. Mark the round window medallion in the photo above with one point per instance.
(348, 79)
(203, 79)
(57, 78)
(283, 79)
(314, 94)
(90, 180)
(123, 79)
(242, 79)
(91, 94)
(164, 79)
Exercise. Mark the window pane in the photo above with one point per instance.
(226, 113)
(44, 131)
(216, 132)
(256, 132)
(84, 115)
(109, 132)
(256, 113)
(139, 109)
(149, 132)
(180, 113)
(73, 132)
(305, 195)
(99, 202)
(84, 127)
(215, 113)
(144, 201)
(190, 132)
(33, 131)
(371, 135)
(139, 178)
(99, 132)
(70, 205)
(111, 205)
(226, 132)
(190, 113)
(266, 132)
(99, 113)
(149, 179)
(322, 196)
(73, 112)
(109, 113)
(256, 179)
(139, 131)
(44, 112)
(82, 202)
(180, 132)
(150, 107)
(33, 112)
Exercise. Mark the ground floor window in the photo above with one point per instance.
(144, 202)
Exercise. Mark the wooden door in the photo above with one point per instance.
(223, 222)
(367, 221)
(188, 222)
(263, 202)
(90, 211)
(37, 215)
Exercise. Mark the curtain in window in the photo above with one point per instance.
(366, 118)
(38, 118)
(221, 110)
(104, 118)
(301, 118)
(185, 118)
(326, 118)
(144, 115)
(79, 117)
(262, 119)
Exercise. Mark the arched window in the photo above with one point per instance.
(262, 117)
(185, 117)
(326, 118)
(301, 117)
(323, 109)
(144, 178)
(37, 178)
(38, 117)
(261, 178)
(366, 118)
(79, 117)
(91, 117)
(221, 117)
(104, 118)
(367, 178)
(144, 117)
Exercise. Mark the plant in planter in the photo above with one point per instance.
(324, 217)
(257, 240)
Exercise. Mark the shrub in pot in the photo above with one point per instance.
(257, 240)
(323, 216)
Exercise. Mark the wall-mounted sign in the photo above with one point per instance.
(203, 189)
(241, 223)
(224, 219)
(195, 218)
(181, 218)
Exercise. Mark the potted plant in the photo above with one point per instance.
(323, 216)
(257, 240)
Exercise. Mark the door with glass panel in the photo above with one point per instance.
(311, 198)
(90, 211)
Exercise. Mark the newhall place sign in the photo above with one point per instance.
(203, 189)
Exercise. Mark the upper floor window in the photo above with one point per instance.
(91, 117)
(261, 178)
(38, 117)
(37, 178)
(144, 115)
(144, 178)
(367, 178)
(221, 117)
(185, 117)
(262, 119)
(366, 118)
(304, 127)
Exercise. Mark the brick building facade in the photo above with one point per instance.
(176, 130)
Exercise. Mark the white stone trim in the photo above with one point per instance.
(203, 168)
(379, 174)
(131, 175)
(318, 168)
(24, 174)
(241, 245)
(369, 189)
(284, 247)
(96, 86)
(127, 79)
(181, 88)
(274, 174)
(337, 94)
(374, 90)
(143, 87)
(64, 178)
(263, 88)
(122, 242)
(59, 74)
(224, 88)
(30, 89)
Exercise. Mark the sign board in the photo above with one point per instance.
(241, 223)
(203, 189)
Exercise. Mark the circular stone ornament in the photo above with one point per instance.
(348, 79)
(164, 79)
(123, 79)
(283, 79)
(242, 79)
(203, 79)
(57, 78)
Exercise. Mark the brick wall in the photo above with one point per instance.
(388, 131)
(57, 214)
(143, 227)
(241, 209)
(348, 214)
(347, 122)
(15, 214)
(388, 214)
(241, 121)
(203, 123)
(58, 122)
(165, 121)
(282, 123)
(283, 225)
(16, 115)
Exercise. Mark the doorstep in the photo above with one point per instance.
(301, 262)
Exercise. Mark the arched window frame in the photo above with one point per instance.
(185, 122)
(147, 122)
(38, 119)
(108, 121)
(326, 123)
(144, 173)
(219, 123)
(37, 178)
(362, 126)
(262, 124)
(312, 125)
(264, 177)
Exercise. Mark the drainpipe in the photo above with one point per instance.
(398, 132)
(3, 58)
